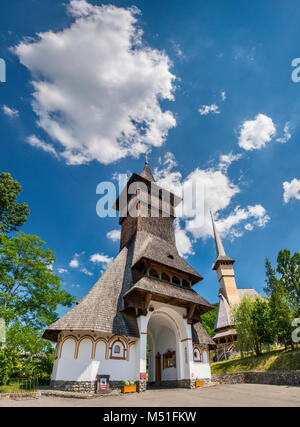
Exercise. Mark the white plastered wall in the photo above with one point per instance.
(84, 368)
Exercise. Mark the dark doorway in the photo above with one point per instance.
(158, 369)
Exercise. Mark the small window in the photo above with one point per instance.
(205, 356)
(169, 359)
(165, 277)
(153, 273)
(118, 350)
(197, 355)
(185, 283)
(175, 280)
(170, 256)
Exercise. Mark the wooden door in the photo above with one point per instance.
(158, 368)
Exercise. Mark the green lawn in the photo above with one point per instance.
(275, 360)
(15, 387)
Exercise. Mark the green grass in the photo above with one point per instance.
(273, 361)
(15, 387)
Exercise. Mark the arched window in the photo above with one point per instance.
(117, 350)
(185, 283)
(153, 273)
(197, 355)
(175, 280)
(205, 356)
(165, 277)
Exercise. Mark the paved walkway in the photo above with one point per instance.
(219, 395)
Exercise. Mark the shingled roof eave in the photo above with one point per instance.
(190, 293)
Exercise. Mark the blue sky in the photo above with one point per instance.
(205, 79)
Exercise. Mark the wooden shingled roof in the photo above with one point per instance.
(174, 293)
(200, 336)
(159, 250)
(102, 309)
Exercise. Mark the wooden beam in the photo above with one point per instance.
(148, 300)
(146, 304)
(191, 313)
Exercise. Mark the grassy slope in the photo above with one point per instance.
(272, 361)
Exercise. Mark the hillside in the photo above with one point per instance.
(275, 360)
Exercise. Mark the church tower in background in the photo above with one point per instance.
(229, 296)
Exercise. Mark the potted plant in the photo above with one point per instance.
(128, 387)
(198, 383)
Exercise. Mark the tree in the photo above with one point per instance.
(29, 295)
(253, 323)
(242, 319)
(288, 266)
(282, 297)
(208, 320)
(12, 214)
(33, 355)
(29, 290)
(262, 325)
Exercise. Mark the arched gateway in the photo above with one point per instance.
(141, 320)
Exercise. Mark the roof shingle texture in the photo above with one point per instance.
(200, 335)
(156, 249)
(156, 286)
(101, 309)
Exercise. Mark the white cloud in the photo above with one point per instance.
(214, 192)
(101, 259)
(226, 160)
(223, 95)
(10, 112)
(291, 190)
(36, 142)
(86, 271)
(114, 235)
(209, 109)
(228, 226)
(286, 134)
(184, 242)
(74, 263)
(255, 134)
(98, 87)
(62, 270)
